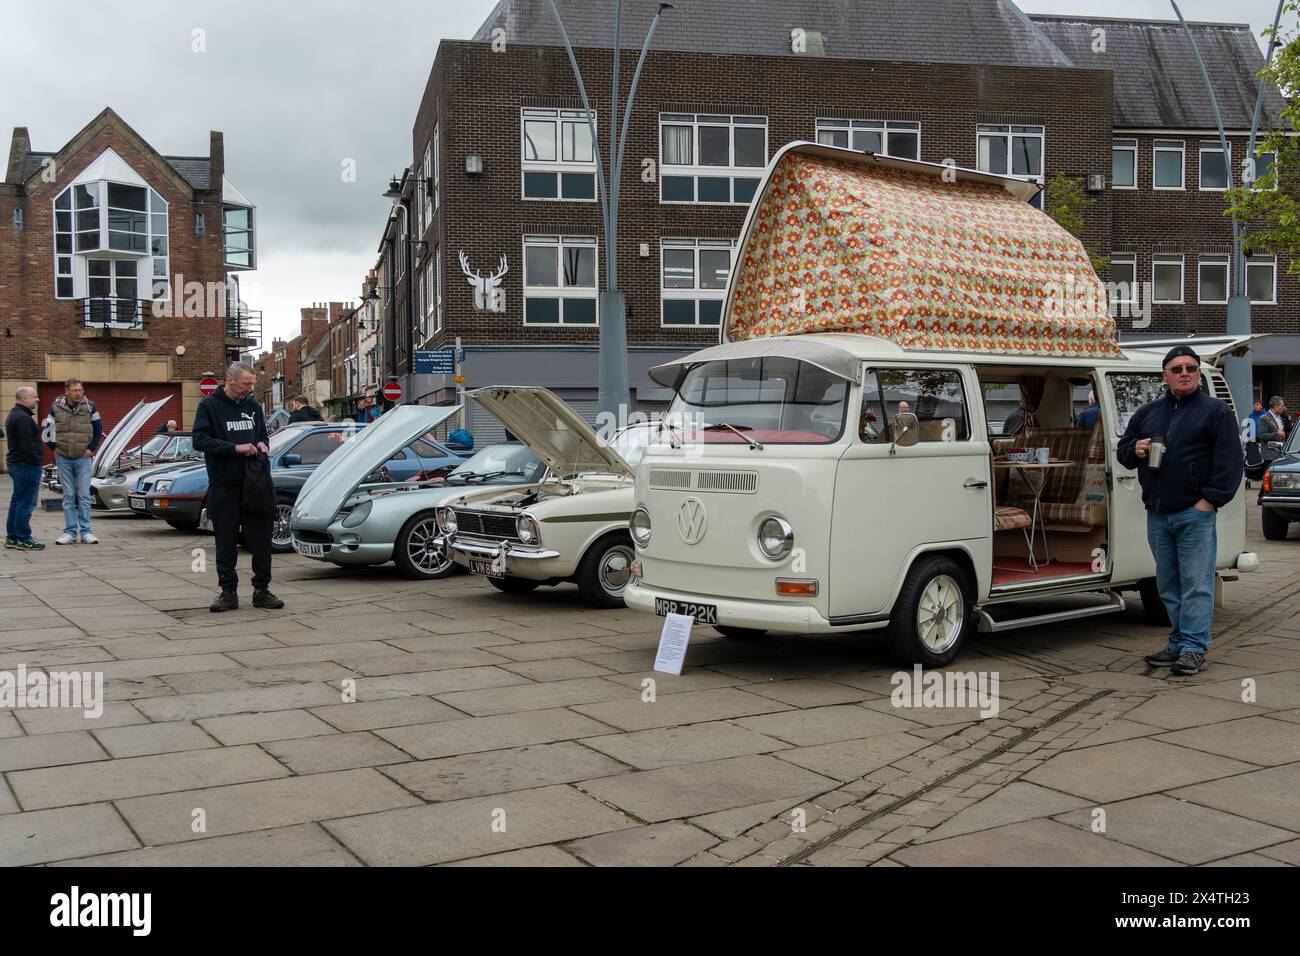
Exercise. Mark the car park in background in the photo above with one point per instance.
(160, 453)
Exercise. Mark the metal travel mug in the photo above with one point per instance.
(1156, 452)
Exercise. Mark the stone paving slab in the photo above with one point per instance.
(1032, 843)
(303, 845)
(49, 750)
(327, 752)
(660, 844)
(537, 856)
(1259, 740)
(502, 771)
(1013, 803)
(258, 728)
(821, 725)
(1269, 796)
(715, 740)
(144, 739)
(47, 835)
(394, 712)
(691, 707)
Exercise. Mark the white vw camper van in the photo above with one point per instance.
(921, 455)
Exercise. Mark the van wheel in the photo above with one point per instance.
(1275, 526)
(514, 585)
(1157, 613)
(739, 633)
(605, 571)
(932, 615)
(415, 553)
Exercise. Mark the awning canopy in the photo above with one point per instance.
(931, 257)
(829, 358)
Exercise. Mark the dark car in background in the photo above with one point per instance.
(1279, 495)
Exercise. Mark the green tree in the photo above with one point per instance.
(1066, 201)
(1272, 215)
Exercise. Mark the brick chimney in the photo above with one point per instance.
(216, 160)
(19, 147)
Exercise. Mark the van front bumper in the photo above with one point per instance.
(759, 615)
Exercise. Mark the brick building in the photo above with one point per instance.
(119, 265)
(503, 176)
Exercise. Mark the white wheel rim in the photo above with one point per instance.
(940, 614)
(427, 557)
(280, 534)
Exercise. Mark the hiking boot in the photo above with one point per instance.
(1188, 663)
(89, 538)
(66, 538)
(226, 601)
(31, 544)
(264, 598)
(1164, 658)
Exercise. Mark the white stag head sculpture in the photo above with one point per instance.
(488, 296)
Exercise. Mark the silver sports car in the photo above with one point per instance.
(341, 519)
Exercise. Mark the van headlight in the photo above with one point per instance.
(358, 514)
(639, 525)
(526, 528)
(775, 537)
(447, 520)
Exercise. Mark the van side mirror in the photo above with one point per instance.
(894, 447)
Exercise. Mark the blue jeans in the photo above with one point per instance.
(1184, 544)
(27, 488)
(74, 476)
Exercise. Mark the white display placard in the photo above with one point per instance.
(673, 640)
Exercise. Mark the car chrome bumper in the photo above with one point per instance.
(760, 615)
(483, 550)
(1281, 501)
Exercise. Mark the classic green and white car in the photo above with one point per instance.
(570, 526)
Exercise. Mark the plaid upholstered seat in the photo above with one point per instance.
(1006, 518)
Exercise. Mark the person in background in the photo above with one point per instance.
(1200, 472)
(302, 410)
(1256, 411)
(1272, 426)
(1088, 417)
(73, 431)
(167, 427)
(25, 458)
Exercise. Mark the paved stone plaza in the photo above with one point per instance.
(497, 730)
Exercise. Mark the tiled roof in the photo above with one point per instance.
(1156, 79)
(193, 169)
(952, 31)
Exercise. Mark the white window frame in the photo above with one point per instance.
(561, 291)
(695, 169)
(1169, 147)
(1260, 262)
(695, 294)
(1168, 259)
(1258, 153)
(1213, 261)
(1121, 145)
(426, 300)
(437, 279)
(426, 201)
(155, 205)
(1208, 147)
(1129, 259)
(559, 166)
(835, 124)
(1012, 131)
(437, 169)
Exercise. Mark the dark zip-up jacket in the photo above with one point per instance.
(219, 425)
(1203, 452)
(24, 437)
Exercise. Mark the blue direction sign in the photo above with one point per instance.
(435, 361)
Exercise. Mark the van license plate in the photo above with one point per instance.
(484, 566)
(137, 504)
(309, 549)
(703, 613)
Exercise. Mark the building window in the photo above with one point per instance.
(1167, 168)
(559, 280)
(437, 169)
(426, 193)
(559, 161)
(1123, 163)
(693, 280)
(1167, 280)
(237, 224)
(1263, 166)
(1123, 279)
(1212, 279)
(123, 219)
(1013, 151)
(159, 247)
(1214, 171)
(1261, 280)
(437, 279)
(710, 159)
(870, 136)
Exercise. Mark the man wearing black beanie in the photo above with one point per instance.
(1199, 471)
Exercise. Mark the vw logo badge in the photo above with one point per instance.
(691, 520)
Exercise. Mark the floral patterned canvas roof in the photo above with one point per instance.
(854, 246)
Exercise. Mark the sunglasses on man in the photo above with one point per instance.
(1183, 369)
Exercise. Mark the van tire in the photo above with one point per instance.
(1155, 608)
(740, 633)
(1275, 526)
(607, 560)
(930, 578)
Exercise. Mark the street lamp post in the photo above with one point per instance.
(614, 394)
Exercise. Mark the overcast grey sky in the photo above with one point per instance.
(297, 87)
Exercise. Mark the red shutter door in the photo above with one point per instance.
(115, 400)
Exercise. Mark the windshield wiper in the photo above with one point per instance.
(755, 445)
(467, 475)
(673, 438)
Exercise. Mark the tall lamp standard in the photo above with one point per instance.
(1237, 370)
(615, 397)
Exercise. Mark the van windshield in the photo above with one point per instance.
(770, 399)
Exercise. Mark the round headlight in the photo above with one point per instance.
(775, 537)
(526, 528)
(447, 520)
(639, 525)
(358, 514)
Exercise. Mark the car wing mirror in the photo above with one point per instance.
(289, 461)
(1275, 445)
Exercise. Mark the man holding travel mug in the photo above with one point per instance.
(1188, 457)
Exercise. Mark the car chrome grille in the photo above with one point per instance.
(484, 525)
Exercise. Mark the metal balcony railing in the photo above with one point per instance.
(244, 324)
(113, 313)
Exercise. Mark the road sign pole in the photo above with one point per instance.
(460, 387)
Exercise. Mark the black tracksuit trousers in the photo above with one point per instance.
(226, 511)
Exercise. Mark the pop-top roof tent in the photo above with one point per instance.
(931, 257)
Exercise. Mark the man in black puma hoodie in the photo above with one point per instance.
(228, 429)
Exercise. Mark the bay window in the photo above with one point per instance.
(121, 220)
